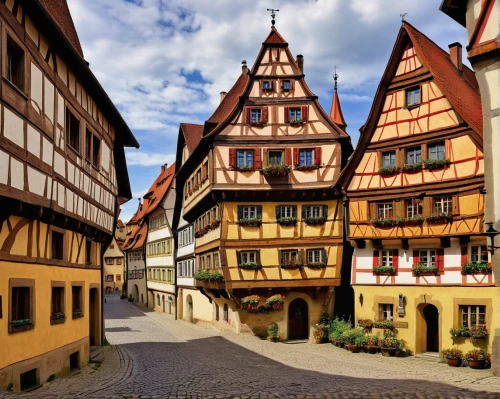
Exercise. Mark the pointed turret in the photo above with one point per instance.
(336, 110)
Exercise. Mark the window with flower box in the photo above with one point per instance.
(472, 315)
(479, 254)
(286, 211)
(385, 210)
(313, 211)
(413, 155)
(436, 151)
(413, 208)
(248, 257)
(316, 256)
(386, 258)
(22, 305)
(249, 212)
(289, 258)
(427, 257)
(443, 204)
(275, 157)
(386, 311)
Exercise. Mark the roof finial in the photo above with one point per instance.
(273, 14)
(335, 77)
(403, 17)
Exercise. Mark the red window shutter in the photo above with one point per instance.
(395, 258)
(296, 158)
(317, 156)
(416, 257)
(249, 113)
(288, 152)
(376, 255)
(287, 114)
(292, 84)
(440, 259)
(305, 116)
(265, 114)
(232, 157)
(463, 255)
(257, 158)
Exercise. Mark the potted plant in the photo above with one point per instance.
(295, 122)
(372, 344)
(350, 338)
(250, 266)
(453, 356)
(478, 332)
(335, 330)
(388, 170)
(273, 332)
(79, 313)
(209, 276)
(316, 265)
(421, 270)
(359, 343)
(385, 324)
(413, 168)
(290, 264)
(387, 222)
(476, 268)
(291, 221)
(314, 221)
(384, 270)
(245, 169)
(250, 302)
(251, 222)
(319, 334)
(432, 164)
(477, 358)
(437, 218)
(365, 323)
(281, 170)
(390, 345)
(416, 220)
(276, 302)
(459, 332)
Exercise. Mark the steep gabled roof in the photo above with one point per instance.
(192, 135)
(274, 37)
(136, 238)
(158, 190)
(336, 111)
(59, 11)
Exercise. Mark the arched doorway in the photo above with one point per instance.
(431, 317)
(136, 293)
(298, 319)
(189, 309)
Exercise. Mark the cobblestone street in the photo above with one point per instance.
(154, 356)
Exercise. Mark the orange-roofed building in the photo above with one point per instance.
(415, 192)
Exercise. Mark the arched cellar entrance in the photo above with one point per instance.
(298, 319)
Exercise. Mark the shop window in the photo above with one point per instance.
(472, 315)
(15, 64)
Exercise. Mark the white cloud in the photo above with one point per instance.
(141, 158)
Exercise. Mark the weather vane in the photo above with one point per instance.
(403, 16)
(273, 14)
(335, 77)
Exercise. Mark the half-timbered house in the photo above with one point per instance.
(62, 176)
(415, 186)
(258, 188)
(114, 264)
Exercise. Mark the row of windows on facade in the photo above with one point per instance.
(157, 222)
(315, 255)
(257, 115)
(186, 236)
(166, 275)
(225, 314)
(414, 207)
(113, 261)
(209, 261)
(283, 211)
(135, 256)
(186, 268)
(22, 303)
(207, 218)
(413, 155)
(283, 84)
(59, 247)
(197, 178)
(470, 315)
(160, 248)
(251, 158)
(111, 278)
(429, 257)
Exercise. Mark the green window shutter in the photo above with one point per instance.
(294, 211)
(259, 212)
(325, 211)
(303, 212)
(278, 212)
(323, 256)
(240, 212)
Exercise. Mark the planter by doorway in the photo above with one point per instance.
(372, 349)
(475, 364)
(354, 348)
(317, 340)
(454, 362)
(388, 352)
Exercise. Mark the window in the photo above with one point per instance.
(88, 145)
(21, 303)
(249, 212)
(295, 114)
(88, 252)
(169, 276)
(312, 211)
(255, 115)
(427, 257)
(77, 301)
(57, 245)
(413, 208)
(225, 314)
(163, 275)
(384, 210)
(248, 257)
(286, 85)
(413, 155)
(386, 311)
(479, 254)
(443, 205)
(118, 277)
(387, 258)
(118, 261)
(96, 146)
(109, 278)
(286, 211)
(15, 64)
(244, 158)
(315, 256)
(267, 85)
(275, 157)
(436, 151)
(57, 301)
(216, 260)
(306, 157)
(72, 131)
(413, 97)
(388, 159)
(473, 315)
(289, 256)
(209, 261)
(109, 261)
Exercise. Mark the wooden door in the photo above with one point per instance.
(298, 319)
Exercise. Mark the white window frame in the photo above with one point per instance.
(314, 255)
(249, 212)
(248, 257)
(386, 257)
(387, 311)
(313, 211)
(413, 208)
(442, 203)
(385, 210)
(413, 96)
(482, 254)
(469, 313)
(286, 211)
(289, 255)
(425, 257)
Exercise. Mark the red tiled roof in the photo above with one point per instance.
(336, 111)
(455, 85)
(274, 37)
(192, 135)
(59, 11)
(136, 238)
(158, 190)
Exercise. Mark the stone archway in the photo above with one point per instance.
(298, 319)
(431, 317)
(189, 309)
(136, 293)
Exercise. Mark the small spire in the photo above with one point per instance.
(273, 15)
(335, 77)
(403, 17)
(336, 111)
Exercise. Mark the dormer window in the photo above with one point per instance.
(413, 97)
(267, 85)
(286, 85)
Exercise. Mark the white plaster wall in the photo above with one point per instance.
(169, 288)
(13, 128)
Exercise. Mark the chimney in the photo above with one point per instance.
(300, 61)
(222, 95)
(244, 68)
(164, 167)
(456, 54)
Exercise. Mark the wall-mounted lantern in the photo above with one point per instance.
(361, 299)
(491, 233)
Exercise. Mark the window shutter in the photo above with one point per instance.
(294, 211)
(323, 256)
(259, 212)
(296, 156)
(376, 255)
(416, 257)
(463, 255)
(456, 205)
(232, 157)
(440, 259)
(317, 156)
(395, 258)
(292, 84)
(257, 257)
(305, 116)
(249, 113)
(238, 257)
(325, 211)
(287, 115)
(271, 82)
(265, 114)
(240, 212)
(257, 158)
(288, 152)
(278, 212)
(302, 256)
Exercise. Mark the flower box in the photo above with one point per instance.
(77, 314)
(276, 302)
(432, 164)
(287, 221)
(250, 302)
(20, 323)
(245, 169)
(250, 222)
(208, 276)
(388, 170)
(384, 270)
(413, 168)
(57, 318)
(291, 264)
(387, 222)
(439, 218)
(365, 323)
(258, 124)
(316, 265)
(414, 221)
(276, 170)
(296, 122)
(478, 332)
(250, 266)
(421, 270)
(476, 268)
(306, 168)
(385, 324)
(314, 221)
(459, 332)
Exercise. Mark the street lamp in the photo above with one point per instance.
(491, 233)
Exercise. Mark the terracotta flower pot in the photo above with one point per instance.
(354, 348)
(274, 339)
(475, 364)
(372, 349)
(317, 340)
(388, 352)
(454, 362)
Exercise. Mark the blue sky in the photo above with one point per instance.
(165, 61)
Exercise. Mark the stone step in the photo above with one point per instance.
(429, 356)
